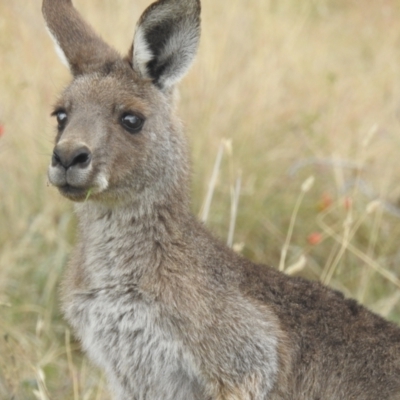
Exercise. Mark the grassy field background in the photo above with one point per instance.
(284, 91)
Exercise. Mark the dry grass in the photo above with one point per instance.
(292, 89)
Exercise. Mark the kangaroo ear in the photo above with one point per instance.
(166, 40)
(76, 43)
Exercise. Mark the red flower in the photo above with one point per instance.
(2, 130)
(325, 202)
(314, 238)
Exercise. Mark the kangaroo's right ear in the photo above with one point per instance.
(76, 43)
(166, 40)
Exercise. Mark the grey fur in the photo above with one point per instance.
(157, 302)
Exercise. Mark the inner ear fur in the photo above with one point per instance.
(166, 40)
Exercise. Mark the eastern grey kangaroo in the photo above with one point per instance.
(167, 310)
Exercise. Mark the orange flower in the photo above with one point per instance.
(325, 202)
(314, 238)
(2, 130)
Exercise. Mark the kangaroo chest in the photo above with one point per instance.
(136, 344)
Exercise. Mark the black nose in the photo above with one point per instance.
(67, 157)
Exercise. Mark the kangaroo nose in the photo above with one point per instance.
(67, 158)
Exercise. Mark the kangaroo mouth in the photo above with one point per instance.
(74, 193)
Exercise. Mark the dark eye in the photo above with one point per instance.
(62, 118)
(132, 123)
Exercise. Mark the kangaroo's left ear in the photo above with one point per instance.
(166, 41)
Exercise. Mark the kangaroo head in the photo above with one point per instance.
(117, 137)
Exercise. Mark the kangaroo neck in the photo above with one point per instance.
(125, 244)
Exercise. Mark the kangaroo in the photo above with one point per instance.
(163, 307)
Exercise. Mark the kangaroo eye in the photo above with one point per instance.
(62, 118)
(132, 123)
